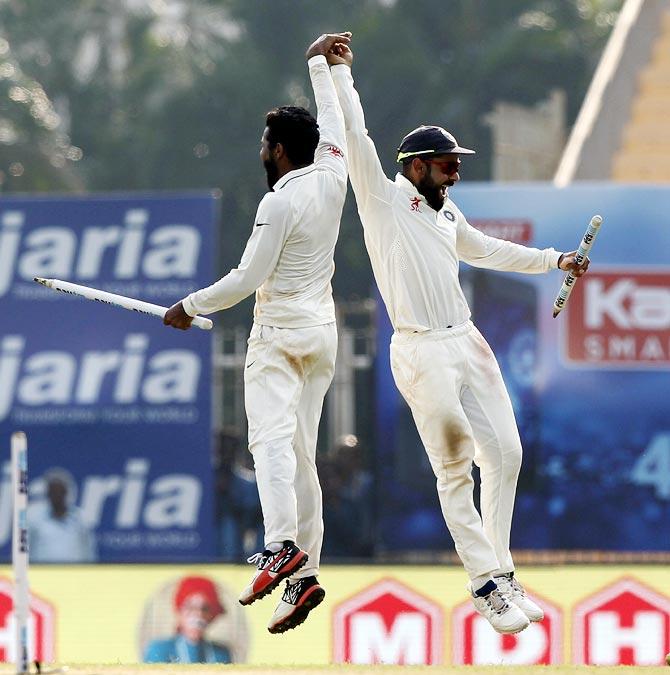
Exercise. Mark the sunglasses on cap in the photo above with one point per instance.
(447, 166)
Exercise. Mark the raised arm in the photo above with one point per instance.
(257, 264)
(365, 170)
(332, 148)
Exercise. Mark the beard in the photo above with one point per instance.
(435, 193)
(271, 172)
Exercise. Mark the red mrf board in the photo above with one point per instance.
(474, 642)
(625, 624)
(41, 627)
(388, 623)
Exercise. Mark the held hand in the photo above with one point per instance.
(177, 317)
(340, 54)
(324, 44)
(568, 263)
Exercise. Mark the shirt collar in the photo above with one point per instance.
(292, 174)
(65, 519)
(406, 185)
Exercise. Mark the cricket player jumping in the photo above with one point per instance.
(415, 237)
(290, 360)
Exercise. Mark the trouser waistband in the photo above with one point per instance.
(404, 337)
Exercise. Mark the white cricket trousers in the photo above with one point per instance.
(286, 376)
(453, 385)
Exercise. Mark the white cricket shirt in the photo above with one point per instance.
(288, 259)
(415, 250)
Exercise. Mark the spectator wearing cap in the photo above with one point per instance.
(196, 605)
(416, 238)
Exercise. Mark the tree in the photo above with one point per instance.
(173, 94)
(34, 152)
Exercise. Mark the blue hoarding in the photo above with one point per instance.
(115, 399)
(590, 389)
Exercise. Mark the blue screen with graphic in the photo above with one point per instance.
(112, 401)
(590, 389)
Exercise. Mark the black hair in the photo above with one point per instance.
(407, 163)
(296, 129)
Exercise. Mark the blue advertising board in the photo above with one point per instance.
(113, 398)
(590, 389)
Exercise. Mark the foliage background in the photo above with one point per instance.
(171, 94)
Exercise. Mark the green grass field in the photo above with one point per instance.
(110, 669)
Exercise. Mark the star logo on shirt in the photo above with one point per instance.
(414, 204)
(335, 151)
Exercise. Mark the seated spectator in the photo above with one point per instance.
(239, 515)
(57, 532)
(348, 501)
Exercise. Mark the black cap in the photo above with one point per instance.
(429, 140)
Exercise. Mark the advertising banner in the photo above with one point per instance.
(410, 615)
(116, 406)
(590, 389)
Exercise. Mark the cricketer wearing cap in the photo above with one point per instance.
(290, 359)
(415, 237)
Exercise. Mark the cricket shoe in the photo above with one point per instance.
(501, 613)
(299, 599)
(514, 591)
(272, 569)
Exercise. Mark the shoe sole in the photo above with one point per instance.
(266, 590)
(300, 613)
(504, 632)
(511, 632)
